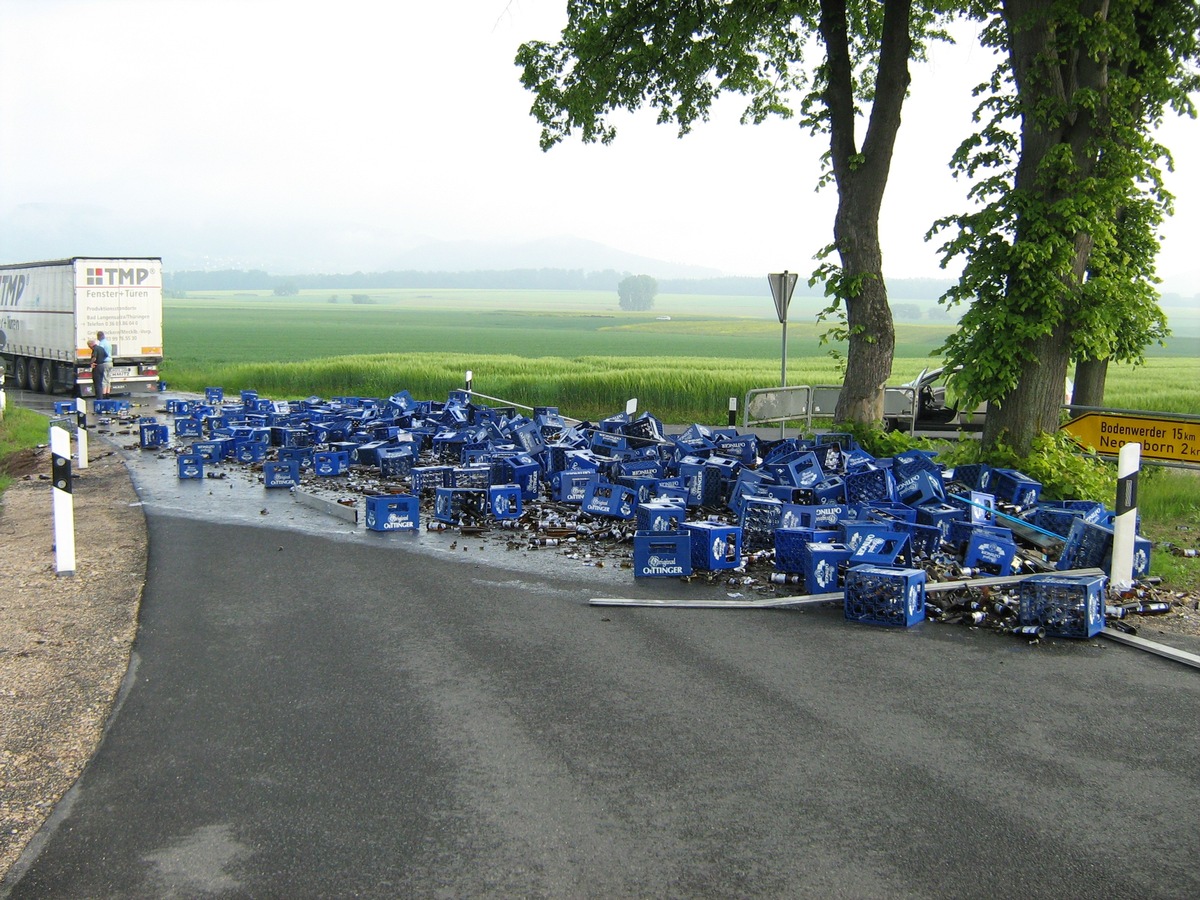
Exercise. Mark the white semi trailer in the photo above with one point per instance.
(49, 310)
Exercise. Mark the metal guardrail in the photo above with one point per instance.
(803, 403)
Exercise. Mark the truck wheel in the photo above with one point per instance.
(46, 377)
(22, 373)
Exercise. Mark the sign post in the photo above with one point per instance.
(63, 506)
(1125, 523)
(782, 285)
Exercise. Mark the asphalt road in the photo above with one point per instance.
(314, 715)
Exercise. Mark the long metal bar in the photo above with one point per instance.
(774, 603)
(1181, 656)
(814, 599)
(330, 507)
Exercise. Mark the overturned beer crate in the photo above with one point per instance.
(1070, 606)
(882, 595)
(715, 547)
(460, 506)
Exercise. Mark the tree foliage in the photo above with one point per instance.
(637, 293)
(1059, 253)
(678, 58)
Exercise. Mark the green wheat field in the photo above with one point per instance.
(575, 350)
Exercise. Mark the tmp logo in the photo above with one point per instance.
(114, 276)
(11, 289)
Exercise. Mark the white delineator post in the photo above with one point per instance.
(64, 508)
(81, 431)
(1125, 524)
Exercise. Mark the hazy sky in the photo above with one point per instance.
(238, 131)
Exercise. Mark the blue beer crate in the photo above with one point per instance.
(189, 427)
(249, 451)
(190, 465)
(869, 483)
(921, 487)
(662, 555)
(910, 462)
(661, 516)
(180, 407)
(459, 506)
(504, 501)
(1070, 606)
(831, 490)
(923, 540)
(525, 472)
(640, 468)
(426, 480)
(821, 515)
(759, 519)
(1058, 517)
(367, 453)
(212, 451)
(602, 498)
(328, 463)
(151, 436)
(395, 461)
(961, 532)
(1090, 545)
(287, 436)
(853, 531)
(715, 546)
(673, 489)
(112, 406)
(704, 486)
(479, 477)
(303, 456)
(743, 448)
(885, 595)
(975, 477)
(789, 543)
(281, 473)
(214, 395)
(645, 428)
(1017, 488)
(247, 395)
(570, 486)
(886, 511)
(822, 564)
(881, 548)
(645, 489)
(940, 515)
(609, 446)
(64, 407)
(727, 468)
(990, 554)
(393, 512)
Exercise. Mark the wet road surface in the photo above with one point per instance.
(319, 711)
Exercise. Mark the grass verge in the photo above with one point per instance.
(1169, 506)
(20, 429)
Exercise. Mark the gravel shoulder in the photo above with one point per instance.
(65, 641)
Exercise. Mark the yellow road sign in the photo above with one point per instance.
(1169, 440)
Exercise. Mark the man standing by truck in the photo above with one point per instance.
(100, 367)
(104, 385)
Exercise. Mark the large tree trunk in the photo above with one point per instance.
(861, 177)
(1047, 78)
(1032, 407)
(1090, 375)
(869, 318)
